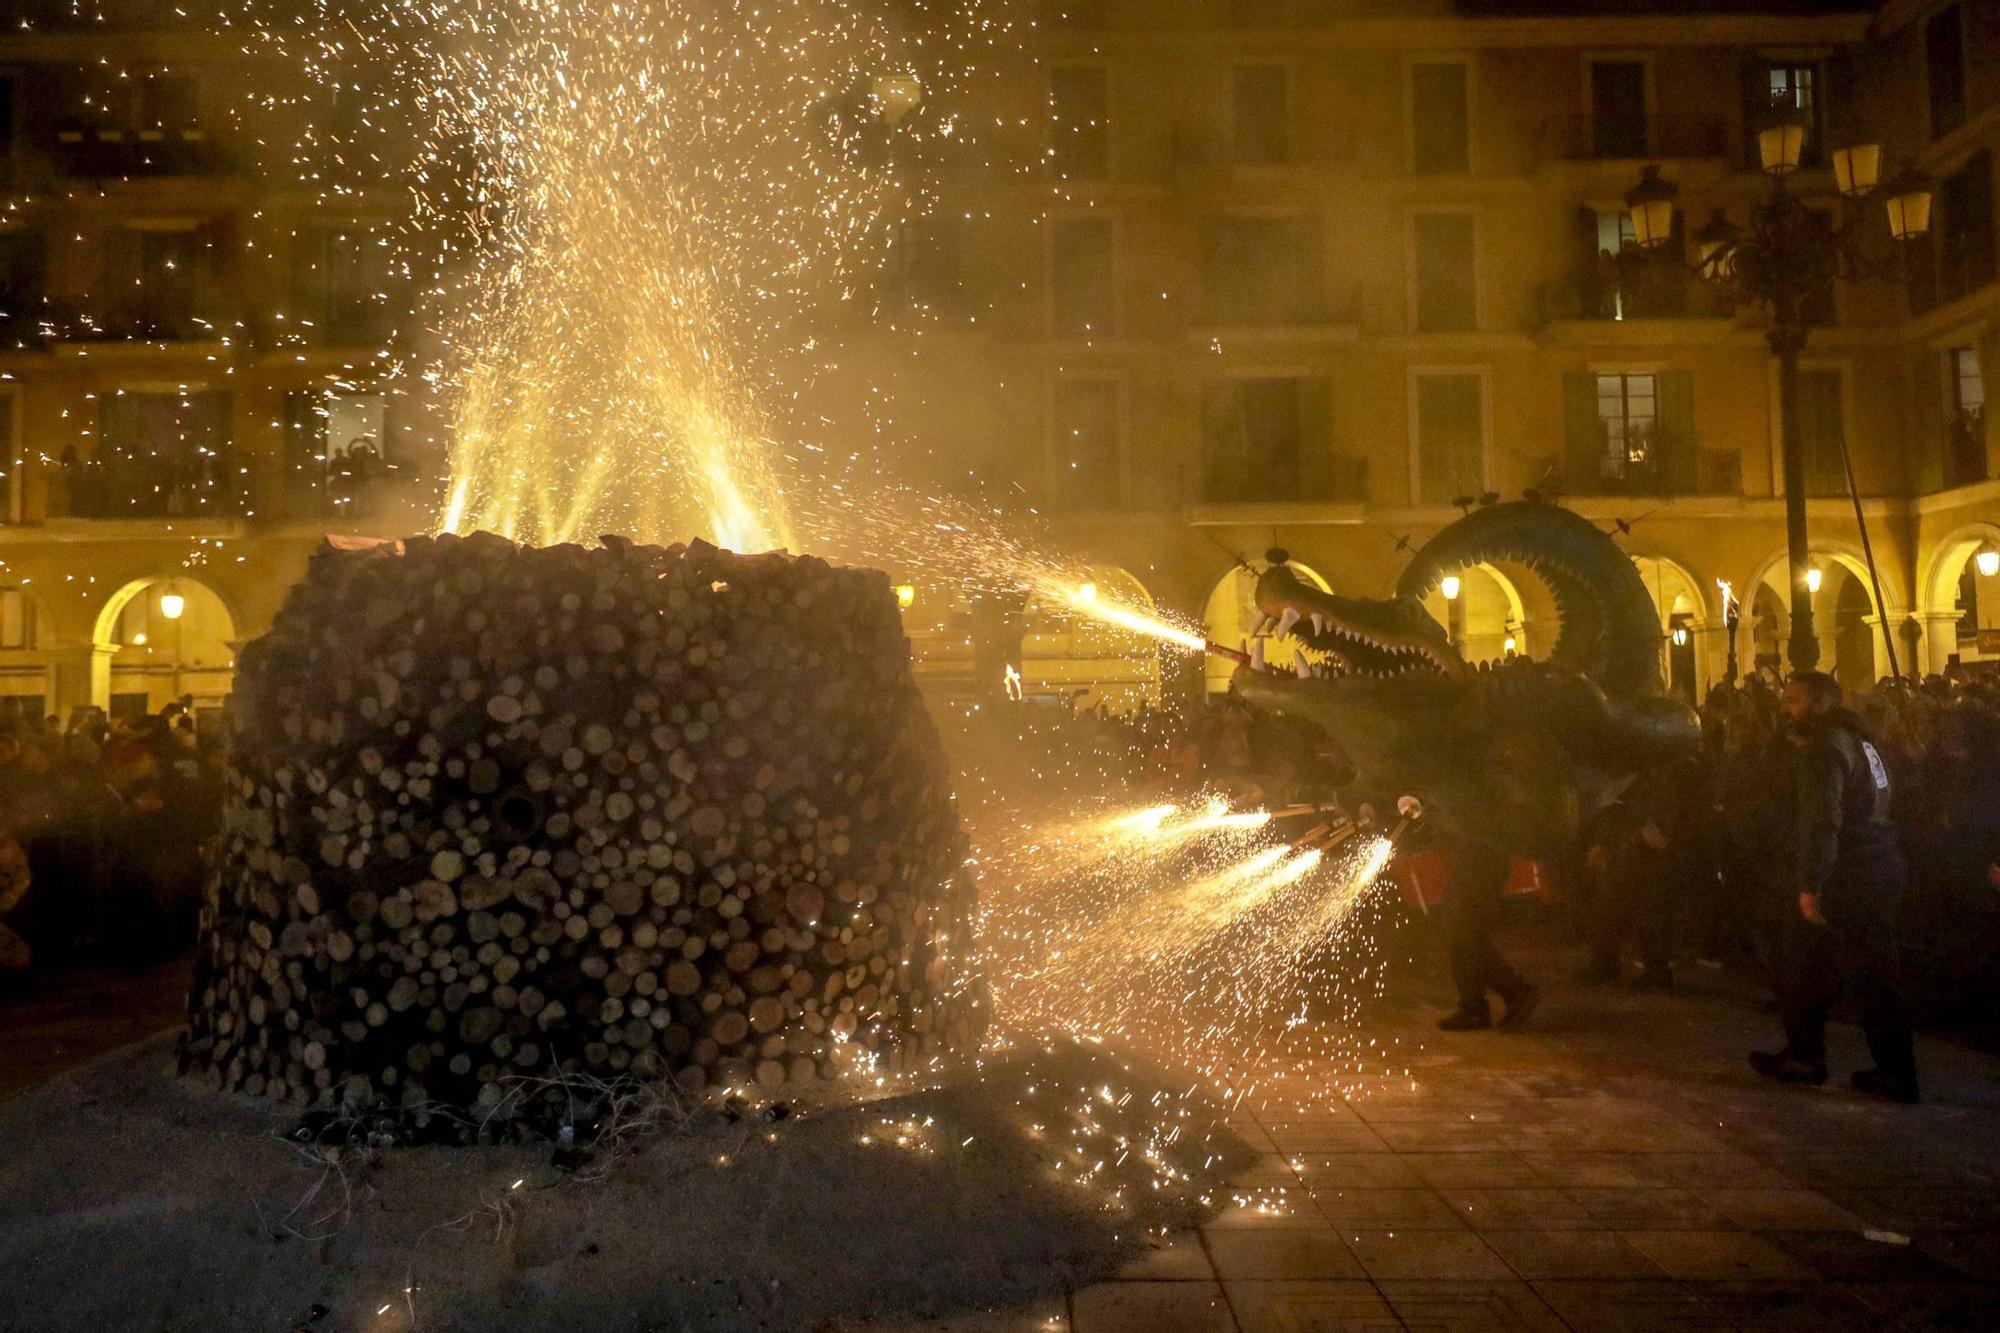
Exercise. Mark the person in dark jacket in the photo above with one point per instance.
(1850, 877)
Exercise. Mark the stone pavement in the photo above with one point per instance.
(1617, 1167)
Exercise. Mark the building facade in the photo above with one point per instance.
(1306, 275)
(1225, 275)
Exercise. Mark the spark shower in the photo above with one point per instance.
(631, 210)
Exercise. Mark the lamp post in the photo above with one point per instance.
(1788, 262)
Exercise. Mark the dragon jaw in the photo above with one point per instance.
(1353, 636)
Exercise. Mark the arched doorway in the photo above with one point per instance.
(1846, 620)
(168, 638)
(1230, 615)
(1682, 605)
(1489, 619)
(1959, 601)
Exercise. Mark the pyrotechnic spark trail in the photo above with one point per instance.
(1187, 932)
(626, 212)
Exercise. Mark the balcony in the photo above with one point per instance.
(79, 150)
(122, 484)
(1584, 139)
(198, 312)
(1709, 472)
(1632, 284)
(1330, 479)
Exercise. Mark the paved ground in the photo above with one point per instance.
(1616, 1168)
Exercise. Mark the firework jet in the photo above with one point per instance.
(637, 207)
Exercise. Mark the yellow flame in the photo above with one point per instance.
(1086, 600)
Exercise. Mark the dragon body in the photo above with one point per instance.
(1518, 757)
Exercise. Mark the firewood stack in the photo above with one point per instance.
(502, 814)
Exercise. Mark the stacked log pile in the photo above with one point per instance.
(499, 814)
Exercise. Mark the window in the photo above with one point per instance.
(1262, 270)
(19, 627)
(1628, 414)
(1082, 277)
(1267, 439)
(169, 104)
(158, 455)
(1965, 418)
(1944, 70)
(1440, 139)
(1446, 294)
(1795, 88)
(1088, 424)
(1451, 439)
(1963, 226)
(1260, 115)
(338, 452)
(1618, 108)
(343, 276)
(1823, 431)
(1631, 433)
(1080, 113)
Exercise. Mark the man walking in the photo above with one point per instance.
(1850, 877)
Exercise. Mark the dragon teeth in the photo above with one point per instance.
(1319, 624)
(1287, 620)
(1257, 654)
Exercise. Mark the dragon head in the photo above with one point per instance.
(1368, 638)
(1516, 757)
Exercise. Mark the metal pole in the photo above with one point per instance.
(1868, 553)
(1786, 340)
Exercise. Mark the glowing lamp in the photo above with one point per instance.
(1651, 205)
(1781, 143)
(1715, 247)
(139, 639)
(1680, 636)
(1909, 205)
(1858, 169)
(1813, 577)
(906, 596)
(1511, 645)
(1988, 562)
(1449, 586)
(172, 604)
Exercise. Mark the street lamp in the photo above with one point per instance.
(1988, 561)
(172, 604)
(1449, 586)
(1813, 577)
(1787, 262)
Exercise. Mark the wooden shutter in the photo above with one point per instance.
(1583, 435)
(1316, 470)
(1677, 436)
(1224, 442)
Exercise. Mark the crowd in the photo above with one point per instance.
(102, 824)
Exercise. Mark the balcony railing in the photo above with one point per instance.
(198, 312)
(1632, 284)
(1708, 472)
(117, 484)
(1335, 479)
(1585, 138)
(85, 151)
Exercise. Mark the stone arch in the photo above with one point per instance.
(1684, 604)
(1770, 588)
(1498, 603)
(1938, 607)
(139, 651)
(1229, 615)
(1066, 653)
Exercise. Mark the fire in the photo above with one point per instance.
(1085, 599)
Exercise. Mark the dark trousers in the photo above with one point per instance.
(1856, 955)
(1471, 904)
(1634, 898)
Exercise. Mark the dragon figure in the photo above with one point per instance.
(1519, 757)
